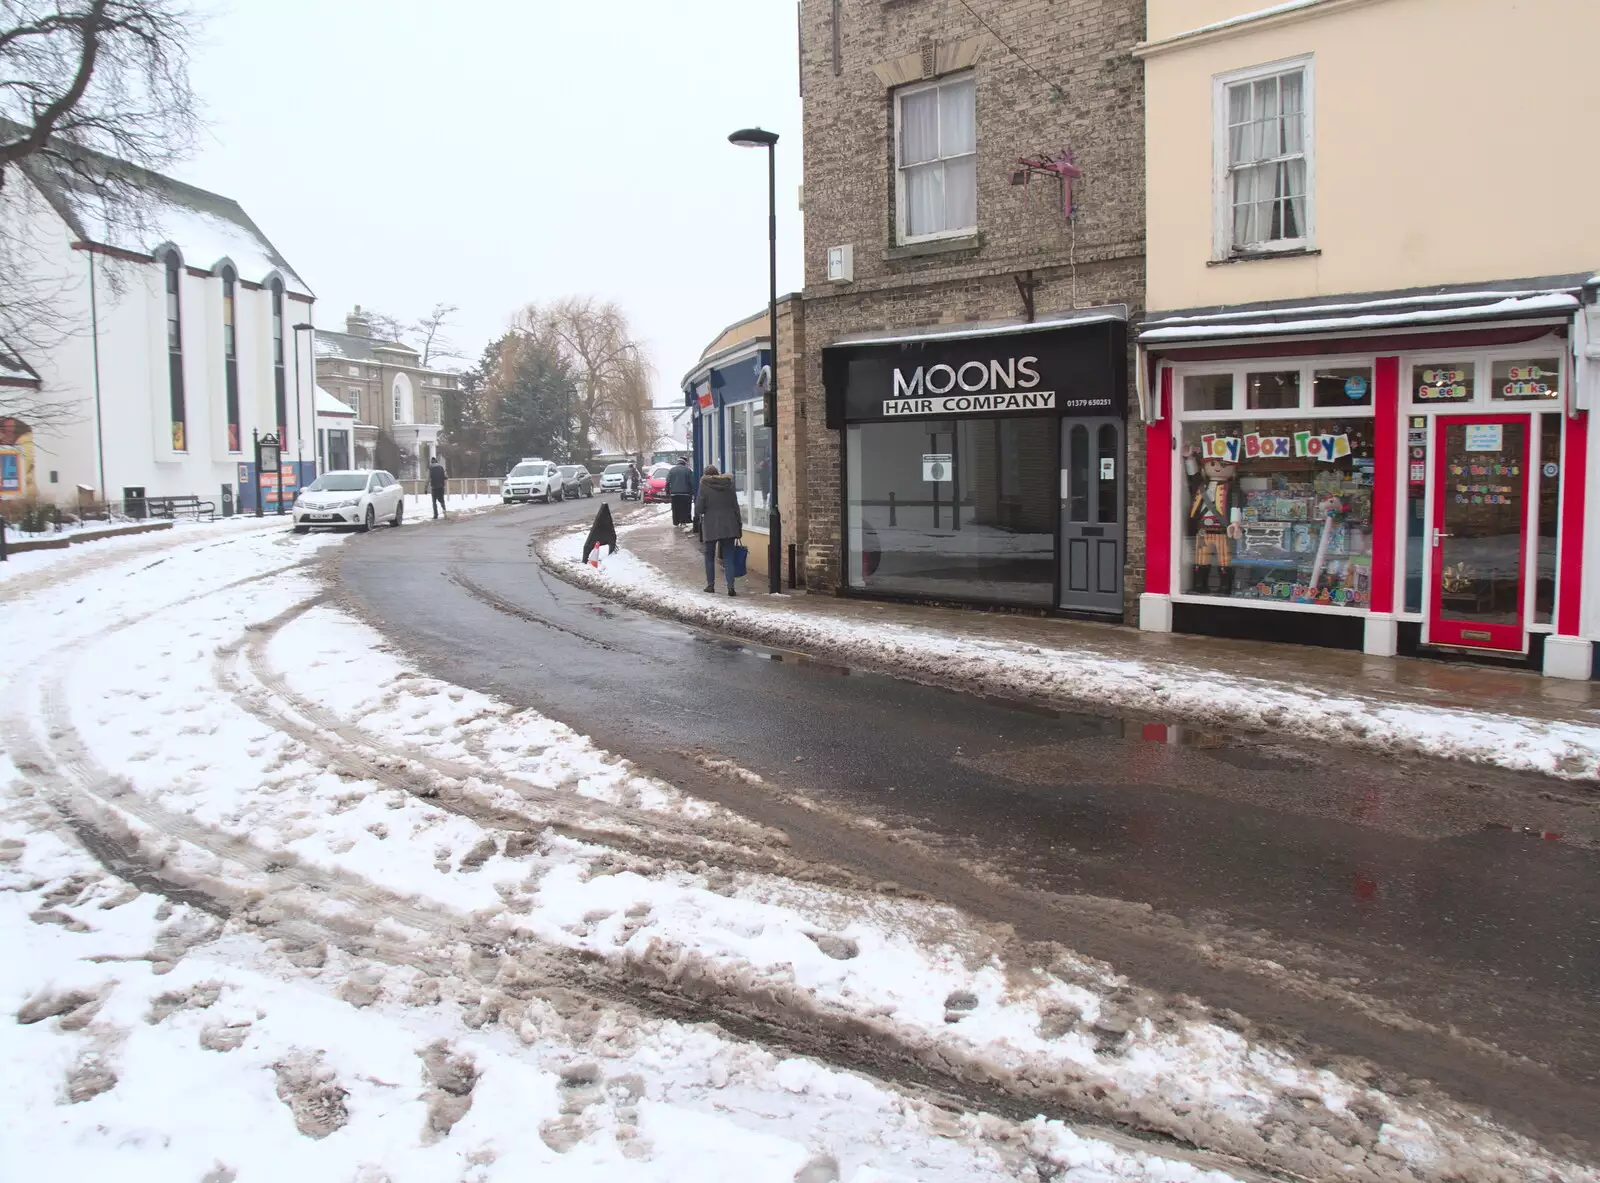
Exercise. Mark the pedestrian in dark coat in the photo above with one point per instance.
(680, 487)
(436, 481)
(717, 507)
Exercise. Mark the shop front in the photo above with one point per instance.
(985, 464)
(1417, 489)
(730, 430)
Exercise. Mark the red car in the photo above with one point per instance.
(655, 483)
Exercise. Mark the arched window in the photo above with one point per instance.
(230, 356)
(401, 407)
(179, 416)
(280, 387)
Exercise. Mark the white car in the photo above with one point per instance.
(613, 477)
(352, 497)
(532, 480)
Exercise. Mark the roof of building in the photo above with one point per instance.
(13, 370)
(142, 211)
(332, 406)
(354, 347)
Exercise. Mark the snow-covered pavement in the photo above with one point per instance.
(1165, 688)
(280, 905)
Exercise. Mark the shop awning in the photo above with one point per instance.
(1524, 300)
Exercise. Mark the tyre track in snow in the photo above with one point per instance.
(289, 898)
(446, 783)
(304, 904)
(282, 896)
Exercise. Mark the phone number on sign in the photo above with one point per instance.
(1086, 402)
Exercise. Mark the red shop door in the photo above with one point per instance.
(1480, 517)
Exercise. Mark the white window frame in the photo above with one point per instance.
(1239, 368)
(355, 401)
(395, 402)
(900, 236)
(1223, 247)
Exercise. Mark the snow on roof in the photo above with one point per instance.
(333, 406)
(13, 368)
(353, 347)
(1500, 306)
(145, 210)
(989, 328)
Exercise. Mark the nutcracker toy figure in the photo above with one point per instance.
(1214, 516)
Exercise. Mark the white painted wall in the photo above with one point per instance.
(134, 396)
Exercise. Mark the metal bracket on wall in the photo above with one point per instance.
(1062, 167)
(1026, 286)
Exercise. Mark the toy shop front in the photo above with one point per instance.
(1417, 487)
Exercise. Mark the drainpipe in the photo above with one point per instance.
(99, 429)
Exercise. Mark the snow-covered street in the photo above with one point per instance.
(1180, 689)
(280, 904)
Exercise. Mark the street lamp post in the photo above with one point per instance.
(755, 137)
(299, 433)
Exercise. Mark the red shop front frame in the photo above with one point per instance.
(1479, 534)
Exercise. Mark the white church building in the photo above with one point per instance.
(178, 332)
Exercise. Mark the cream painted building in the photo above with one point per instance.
(1366, 365)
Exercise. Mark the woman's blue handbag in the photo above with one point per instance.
(741, 557)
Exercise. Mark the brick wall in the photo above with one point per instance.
(1076, 85)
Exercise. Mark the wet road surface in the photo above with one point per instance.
(1412, 883)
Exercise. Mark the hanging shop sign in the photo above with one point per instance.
(1076, 370)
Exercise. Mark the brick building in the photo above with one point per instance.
(389, 389)
(965, 355)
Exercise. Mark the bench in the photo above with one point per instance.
(189, 505)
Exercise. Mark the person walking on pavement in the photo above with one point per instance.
(680, 487)
(717, 507)
(436, 484)
(630, 482)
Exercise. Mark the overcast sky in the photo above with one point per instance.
(489, 153)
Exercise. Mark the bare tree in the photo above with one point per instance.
(609, 368)
(384, 326)
(108, 75)
(430, 330)
(92, 93)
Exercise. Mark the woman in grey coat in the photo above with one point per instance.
(717, 507)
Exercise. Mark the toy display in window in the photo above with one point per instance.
(1215, 517)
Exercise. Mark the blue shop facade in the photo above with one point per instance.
(729, 427)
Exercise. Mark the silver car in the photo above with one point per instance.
(352, 497)
(613, 477)
(533, 480)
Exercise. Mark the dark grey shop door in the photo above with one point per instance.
(1091, 514)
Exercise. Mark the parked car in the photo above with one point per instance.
(614, 476)
(575, 481)
(533, 480)
(350, 497)
(655, 483)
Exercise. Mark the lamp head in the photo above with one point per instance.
(304, 327)
(753, 137)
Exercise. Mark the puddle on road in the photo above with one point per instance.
(1360, 800)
